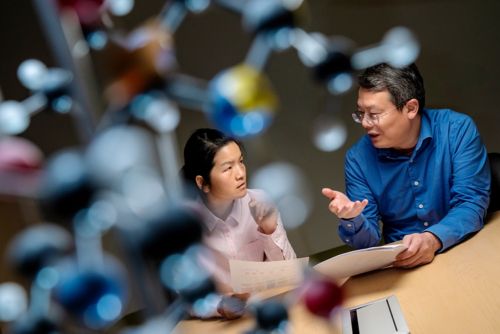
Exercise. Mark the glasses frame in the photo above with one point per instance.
(372, 119)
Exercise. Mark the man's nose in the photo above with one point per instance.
(366, 123)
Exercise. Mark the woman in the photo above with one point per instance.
(241, 223)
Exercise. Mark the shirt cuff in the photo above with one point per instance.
(275, 243)
(277, 236)
(438, 238)
(352, 225)
(441, 232)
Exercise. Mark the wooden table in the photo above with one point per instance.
(459, 292)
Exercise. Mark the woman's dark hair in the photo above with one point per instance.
(200, 150)
(403, 84)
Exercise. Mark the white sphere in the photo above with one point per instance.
(32, 73)
(13, 301)
(14, 118)
(287, 188)
(120, 7)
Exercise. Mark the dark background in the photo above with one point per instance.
(459, 61)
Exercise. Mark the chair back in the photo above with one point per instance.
(494, 159)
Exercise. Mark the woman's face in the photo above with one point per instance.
(228, 175)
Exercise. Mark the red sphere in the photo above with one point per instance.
(18, 154)
(88, 11)
(321, 296)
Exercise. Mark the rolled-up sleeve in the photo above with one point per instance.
(276, 245)
(470, 187)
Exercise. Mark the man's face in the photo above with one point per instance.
(386, 126)
(228, 176)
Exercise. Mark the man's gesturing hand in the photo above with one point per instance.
(341, 205)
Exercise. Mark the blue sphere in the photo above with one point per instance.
(242, 102)
(97, 299)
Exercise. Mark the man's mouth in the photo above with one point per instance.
(242, 185)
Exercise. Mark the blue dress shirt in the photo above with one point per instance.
(442, 187)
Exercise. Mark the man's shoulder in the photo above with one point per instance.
(443, 116)
(449, 124)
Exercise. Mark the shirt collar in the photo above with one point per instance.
(211, 221)
(425, 130)
(424, 136)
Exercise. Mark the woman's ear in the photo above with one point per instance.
(200, 183)
(412, 108)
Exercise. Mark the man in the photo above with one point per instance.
(423, 172)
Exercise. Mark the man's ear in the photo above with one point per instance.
(412, 108)
(200, 183)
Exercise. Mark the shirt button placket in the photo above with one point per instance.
(227, 236)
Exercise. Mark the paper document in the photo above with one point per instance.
(250, 276)
(359, 261)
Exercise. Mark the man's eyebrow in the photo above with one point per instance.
(368, 109)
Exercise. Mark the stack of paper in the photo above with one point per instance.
(249, 276)
(359, 261)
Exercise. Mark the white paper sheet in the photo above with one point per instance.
(359, 261)
(250, 276)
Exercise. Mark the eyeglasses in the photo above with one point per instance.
(371, 118)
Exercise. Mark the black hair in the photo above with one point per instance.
(200, 150)
(403, 84)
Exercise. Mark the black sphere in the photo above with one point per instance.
(270, 315)
(198, 291)
(33, 325)
(171, 231)
(37, 247)
(267, 15)
(66, 186)
(335, 63)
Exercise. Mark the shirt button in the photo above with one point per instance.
(347, 240)
(416, 183)
(349, 225)
(426, 223)
(420, 206)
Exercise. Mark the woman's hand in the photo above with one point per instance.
(265, 215)
(233, 306)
